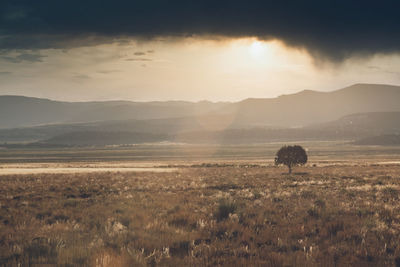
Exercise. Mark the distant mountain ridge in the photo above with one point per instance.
(371, 123)
(309, 107)
(21, 111)
(354, 112)
(351, 127)
(299, 109)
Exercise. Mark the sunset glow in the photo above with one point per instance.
(186, 69)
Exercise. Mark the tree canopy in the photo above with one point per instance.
(291, 156)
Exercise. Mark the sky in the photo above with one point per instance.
(194, 50)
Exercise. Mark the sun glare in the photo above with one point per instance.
(257, 48)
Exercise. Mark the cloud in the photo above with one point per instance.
(27, 57)
(384, 70)
(82, 76)
(138, 59)
(14, 13)
(330, 29)
(5, 72)
(374, 67)
(140, 53)
(107, 71)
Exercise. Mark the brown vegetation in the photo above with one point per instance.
(231, 215)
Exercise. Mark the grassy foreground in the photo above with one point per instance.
(207, 215)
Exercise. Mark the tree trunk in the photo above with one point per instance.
(290, 169)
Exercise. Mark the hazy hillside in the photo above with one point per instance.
(380, 140)
(102, 138)
(308, 107)
(16, 111)
(371, 123)
(346, 114)
(20, 111)
(303, 108)
(170, 126)
(350, 127)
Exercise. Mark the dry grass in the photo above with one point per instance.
(206, 215)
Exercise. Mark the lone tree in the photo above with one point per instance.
(291, 156)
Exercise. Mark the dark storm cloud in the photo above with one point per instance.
(333, 29)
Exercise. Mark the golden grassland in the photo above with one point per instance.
(204, 215)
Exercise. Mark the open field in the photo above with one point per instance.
(73, 170)
(335, 211)
(331, 151)
(226, 214)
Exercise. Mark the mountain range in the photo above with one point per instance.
(357, 111)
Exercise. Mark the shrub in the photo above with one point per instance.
(224, 209)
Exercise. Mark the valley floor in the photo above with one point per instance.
(165, 153)
(227, 213)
